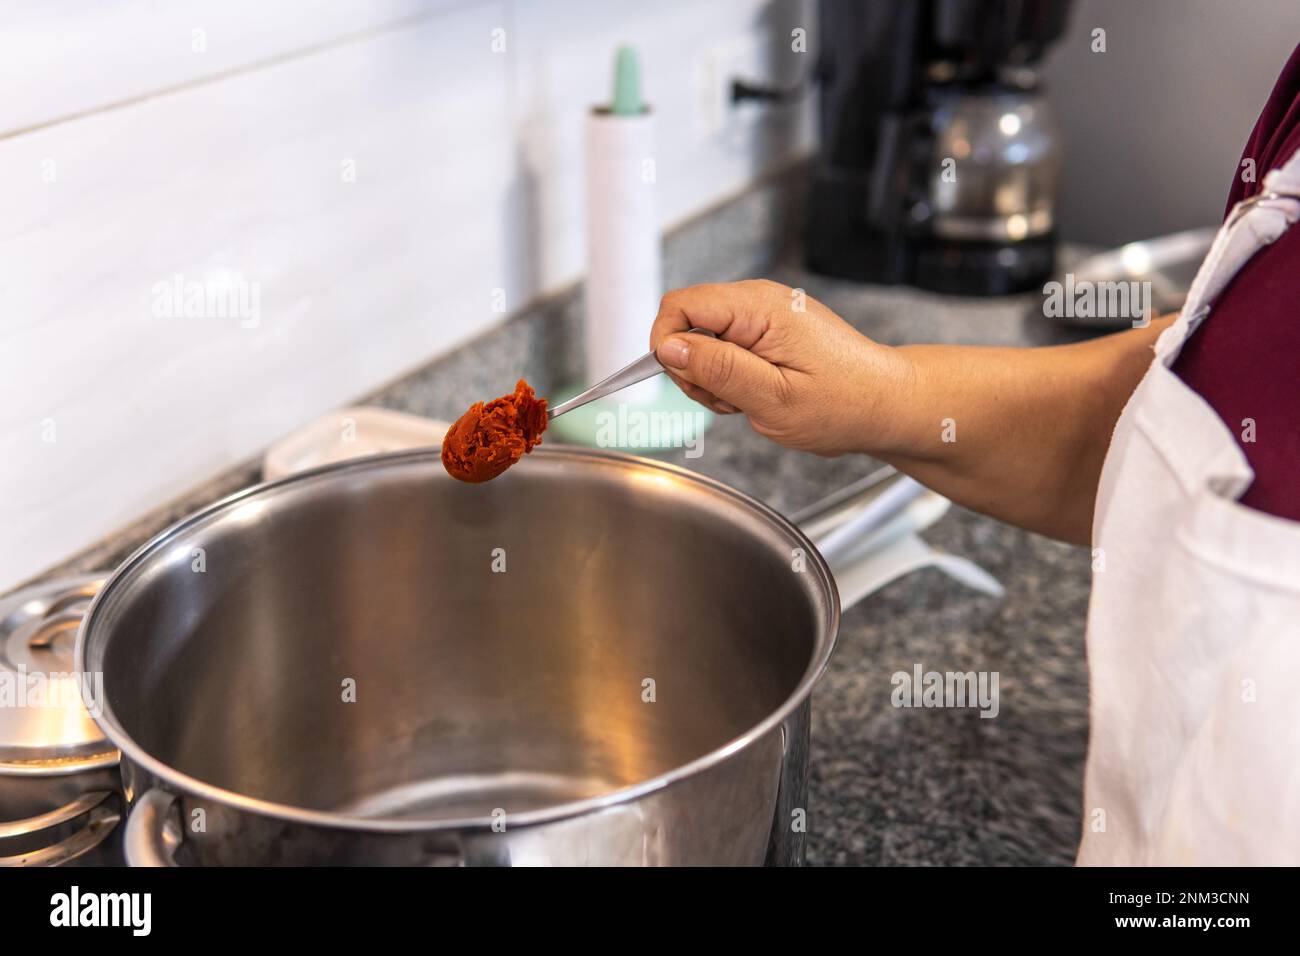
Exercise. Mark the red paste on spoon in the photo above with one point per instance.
(491, 437)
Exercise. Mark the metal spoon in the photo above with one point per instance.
(647, 366)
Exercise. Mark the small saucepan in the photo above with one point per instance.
(594, 659)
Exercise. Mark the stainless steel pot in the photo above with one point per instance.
(60, 796)
(594, 659)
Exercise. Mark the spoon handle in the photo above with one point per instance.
(647, 366)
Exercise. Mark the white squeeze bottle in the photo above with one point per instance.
(624, 273)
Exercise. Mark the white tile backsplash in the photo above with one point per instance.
(372, 171)
(75, 56)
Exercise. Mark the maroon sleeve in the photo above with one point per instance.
(1244, 359)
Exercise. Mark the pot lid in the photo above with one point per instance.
(44, 726)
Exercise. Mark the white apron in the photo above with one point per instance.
(1194, 624)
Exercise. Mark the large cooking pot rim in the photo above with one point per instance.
(183, 783)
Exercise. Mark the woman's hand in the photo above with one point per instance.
(1019, 434)
(802, 375)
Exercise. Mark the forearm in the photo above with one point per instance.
(1018, 434)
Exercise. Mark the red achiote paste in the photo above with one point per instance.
(491, 437)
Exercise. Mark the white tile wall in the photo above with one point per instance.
(74, 56)
(374, 171)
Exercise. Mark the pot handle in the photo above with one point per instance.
(151, 836)
(100, 821)
(867, 533)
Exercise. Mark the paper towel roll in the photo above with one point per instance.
(624, 281)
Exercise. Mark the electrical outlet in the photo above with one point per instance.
(716, 69)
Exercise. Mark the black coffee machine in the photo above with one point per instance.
(939, 160)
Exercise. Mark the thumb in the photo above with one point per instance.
(732, 373)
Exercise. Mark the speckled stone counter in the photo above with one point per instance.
(889, 786)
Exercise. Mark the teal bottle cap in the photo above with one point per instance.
(627, 84)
